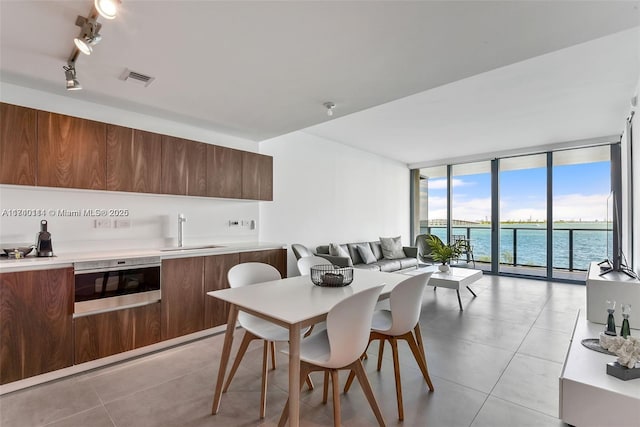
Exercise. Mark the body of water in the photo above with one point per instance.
(590, 242)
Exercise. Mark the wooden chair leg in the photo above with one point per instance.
(420, 358)
(396, 370)
(246, 339)
(263, 390)
(350, 378)
(418, 335)
(309, 382)
(273, 355)
(335, 383)
(325, 390)
(380, 352)
(358, 368)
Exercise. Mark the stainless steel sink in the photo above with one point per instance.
(190, 248)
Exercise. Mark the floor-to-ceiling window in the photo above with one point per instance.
(541, 215)
(433, 201)
(581, 187)
(471, 209)
(523, 215)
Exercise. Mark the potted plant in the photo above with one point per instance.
(443, 252)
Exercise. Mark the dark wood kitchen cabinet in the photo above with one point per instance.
(36, 308)
(216, 268)
(134, 159)
(105, 334)
(224, 172)
(257, 176)
(17, 145)
(182, 296)
(184, 167)
(72, 152)
(275, 257)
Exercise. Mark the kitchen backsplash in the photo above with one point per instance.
(83, 220)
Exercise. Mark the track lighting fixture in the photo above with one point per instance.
(108, 9)
(329, 106)
(70, 75)
(89, 35)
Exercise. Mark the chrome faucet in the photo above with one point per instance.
(181, 221)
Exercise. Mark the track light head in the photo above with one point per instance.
(108, 9)
(70, 76)
(89, 35)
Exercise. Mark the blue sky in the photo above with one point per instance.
(580, 193)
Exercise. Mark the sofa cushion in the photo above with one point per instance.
(376, 248)
(365, 253)
(338, 250)
(392, 248)
(389, 264)
(408, 262)
(354, 254)
(373, 267)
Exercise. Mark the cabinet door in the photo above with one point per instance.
(105, 334)
(182, 296)
(216, 268)
(257, 176)
(72, 152)
(134, 158)
(224, 172)
(17, 145)
(36, 308)
(184, 167)
(274, 257)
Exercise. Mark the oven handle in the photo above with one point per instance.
(116, 268)
(110, 309)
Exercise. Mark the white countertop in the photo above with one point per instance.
(62, 260)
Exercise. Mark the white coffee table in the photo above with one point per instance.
(452, 279)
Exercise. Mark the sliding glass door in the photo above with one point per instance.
(581, 188)
(523, 215)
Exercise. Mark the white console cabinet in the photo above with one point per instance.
(590, 397)
(615, 286)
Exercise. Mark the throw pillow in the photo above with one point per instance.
(366, 254)
(337, 250)
(392, 247)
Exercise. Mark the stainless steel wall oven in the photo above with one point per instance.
(115, 284)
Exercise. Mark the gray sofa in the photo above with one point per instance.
(354, 259)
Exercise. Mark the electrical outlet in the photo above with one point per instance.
(102, 223)
(123, 223)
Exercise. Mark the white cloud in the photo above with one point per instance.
(441, 184)
(585, 207)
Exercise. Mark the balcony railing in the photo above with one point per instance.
(573, 248)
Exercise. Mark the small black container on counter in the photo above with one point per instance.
(43, 245)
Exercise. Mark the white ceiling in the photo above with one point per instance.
(413, 81)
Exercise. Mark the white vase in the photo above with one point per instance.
(443, 268)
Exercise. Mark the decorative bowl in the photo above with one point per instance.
(331, 275)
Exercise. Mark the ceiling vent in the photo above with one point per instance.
(135, 77)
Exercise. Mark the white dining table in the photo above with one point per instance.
(293, 303)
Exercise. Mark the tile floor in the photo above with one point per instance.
(495, 364)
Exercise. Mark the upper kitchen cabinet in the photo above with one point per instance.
(224, 172)
(72, 152)
(257, 176)
(17, 145)
(134, 159)
(184, 167)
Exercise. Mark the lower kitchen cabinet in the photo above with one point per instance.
(182, 296)
(36, 308)
(216, 268)
(105, 334)
(275, 257)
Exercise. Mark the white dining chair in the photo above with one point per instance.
(401, 323)
(305, 264)
(339, 347)
(246, 274)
